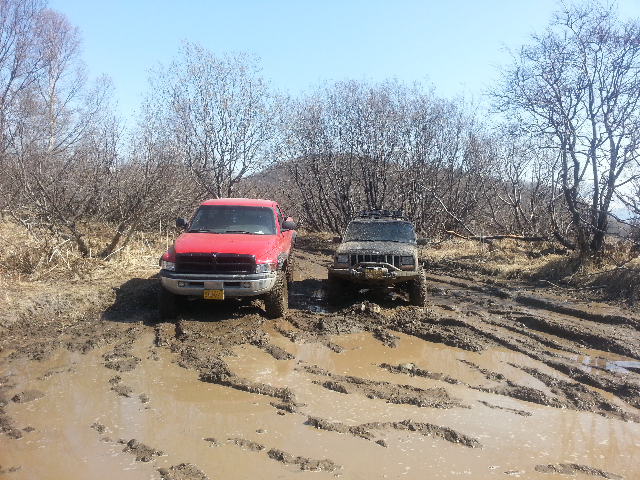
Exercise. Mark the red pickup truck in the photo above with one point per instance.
(231, 247)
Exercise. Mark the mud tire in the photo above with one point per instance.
(291, 265)
(418, 290)
(335, 290)
(168, 304)
(276, 302)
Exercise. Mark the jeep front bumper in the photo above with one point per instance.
(374, 274)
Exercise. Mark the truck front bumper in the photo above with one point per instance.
(232, 285)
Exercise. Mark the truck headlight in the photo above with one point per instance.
(265, 267)
(164, 265)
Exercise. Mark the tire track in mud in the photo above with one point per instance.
(392, 393)
(397, 394)
(574, 469)
(365, 430)
(560, 327)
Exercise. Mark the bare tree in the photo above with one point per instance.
(354, 145)
(65, 190)
(577, 87)
(220, 112)
(320, 163)
(520, 192)
(64, 140)
(62, 80)
(20, 66)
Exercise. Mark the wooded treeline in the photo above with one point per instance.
(557, 154)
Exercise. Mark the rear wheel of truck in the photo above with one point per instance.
(168, 304)
(418, 290)
(276, 301)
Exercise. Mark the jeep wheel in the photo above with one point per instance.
(168, 304)
(418, 290)
(335, 290)
(276, 301)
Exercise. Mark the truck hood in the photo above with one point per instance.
(261, 246)
(378, 248)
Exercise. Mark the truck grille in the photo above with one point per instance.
(390, 259)
(231, 263)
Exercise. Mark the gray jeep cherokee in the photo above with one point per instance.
(378, 249)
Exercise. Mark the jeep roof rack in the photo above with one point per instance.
(382, 213)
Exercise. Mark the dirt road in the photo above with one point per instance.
(490, 380)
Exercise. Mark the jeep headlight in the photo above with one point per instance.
(265, 267)
(342, 260)
(407, 263)
(164, 265)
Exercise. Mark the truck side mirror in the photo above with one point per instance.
(288, 224)
(423, 241)
(181, 222)
(337, 239)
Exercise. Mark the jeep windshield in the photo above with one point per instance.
(233, 219)
(380, 232)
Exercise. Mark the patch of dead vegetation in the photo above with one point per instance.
(30, 253)
(613, 275)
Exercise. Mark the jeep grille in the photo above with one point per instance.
(230, 263)
(390, 259)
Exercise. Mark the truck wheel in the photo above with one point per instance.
(291, 264)
(418, 290)
(335, 290)
(169, 304)
(276, 301)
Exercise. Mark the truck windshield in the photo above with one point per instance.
(380, 232)
(234, 219)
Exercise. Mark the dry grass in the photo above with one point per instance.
(615, 275)
(505, 259)
(36, 255)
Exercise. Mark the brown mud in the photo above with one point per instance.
(487, 380)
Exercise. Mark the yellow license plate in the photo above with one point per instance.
(371, 273)
(214, 294)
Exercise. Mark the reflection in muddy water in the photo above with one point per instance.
(82, 423)
(594, 360)
(315, 302)
(623, 366)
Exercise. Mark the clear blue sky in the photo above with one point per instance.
(453, 45)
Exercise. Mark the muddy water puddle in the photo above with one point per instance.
(81, 426)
